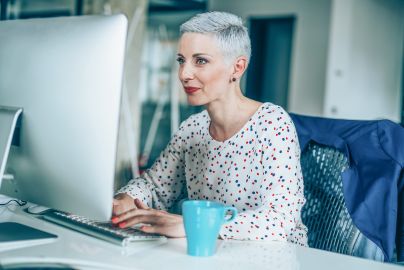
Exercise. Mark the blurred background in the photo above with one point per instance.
(331, 58)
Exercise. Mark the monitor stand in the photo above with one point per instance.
(13, 235)
(8, 122)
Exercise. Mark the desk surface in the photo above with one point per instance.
(85, 252)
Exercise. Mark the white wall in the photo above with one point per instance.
(365, 59)
(310, 43)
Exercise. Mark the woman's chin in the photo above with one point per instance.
(194, 101)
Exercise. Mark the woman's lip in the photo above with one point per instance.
(190, 90)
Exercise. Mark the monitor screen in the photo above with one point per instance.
(66, 75)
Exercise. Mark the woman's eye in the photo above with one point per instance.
(201, 61)
(180, 60)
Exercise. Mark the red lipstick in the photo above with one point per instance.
(190, 90)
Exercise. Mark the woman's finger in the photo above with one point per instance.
(117, 207)
(170, 226)
(139, 204)
(115, 202)
(151, 229)
(146, 219)
(122, 203)
(133, 213)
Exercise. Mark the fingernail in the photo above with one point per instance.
(122, 224)
(114, 219)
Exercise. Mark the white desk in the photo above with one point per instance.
(85, 252)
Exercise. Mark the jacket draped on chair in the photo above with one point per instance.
(373, 185)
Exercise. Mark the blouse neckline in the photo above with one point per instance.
(238, 133)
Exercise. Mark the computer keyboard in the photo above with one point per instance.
(101, 230)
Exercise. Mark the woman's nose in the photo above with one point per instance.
(185, 73)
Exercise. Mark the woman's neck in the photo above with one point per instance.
(229, 115)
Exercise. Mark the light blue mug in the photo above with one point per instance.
(202, 223)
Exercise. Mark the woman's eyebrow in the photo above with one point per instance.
(200, 54)
(195, 55)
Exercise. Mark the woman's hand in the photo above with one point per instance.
(122, 203)
(158, 221)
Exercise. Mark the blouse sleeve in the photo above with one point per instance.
(281, 190)
(163, 184)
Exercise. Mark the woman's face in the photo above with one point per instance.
(203, 72)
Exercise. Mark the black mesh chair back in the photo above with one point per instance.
(329, 224)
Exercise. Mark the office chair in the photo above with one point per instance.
(354, 185)
(330, 226)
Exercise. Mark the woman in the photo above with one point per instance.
(238, 151)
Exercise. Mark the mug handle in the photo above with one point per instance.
(233, 213)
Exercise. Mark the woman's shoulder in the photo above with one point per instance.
(273, 111)
(195, 121)
(273, 118)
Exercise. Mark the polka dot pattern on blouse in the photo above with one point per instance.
(257, 171)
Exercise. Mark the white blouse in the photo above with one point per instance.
(257, 171)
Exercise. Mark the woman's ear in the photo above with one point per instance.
(240, 65)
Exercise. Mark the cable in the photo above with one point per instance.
(19, 202)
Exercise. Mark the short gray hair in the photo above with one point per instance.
(228, 29)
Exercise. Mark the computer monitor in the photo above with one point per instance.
(66, 75)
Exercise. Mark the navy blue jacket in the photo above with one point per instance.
(373, 184)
